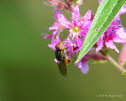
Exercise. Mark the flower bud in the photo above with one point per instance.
(97, 57)
(122, 57)
(57, 3)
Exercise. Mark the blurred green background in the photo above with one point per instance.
(27, 69)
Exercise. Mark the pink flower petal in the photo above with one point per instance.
(88, 15)
(64, 21)
(119, 40)
(121, 32)
(54, 26)
(83, 65)
(53, 43)
(75, 15)
(46, 36)
(99, 44)
(111, 45)
(56, 14)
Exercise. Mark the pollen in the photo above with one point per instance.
(76, 29)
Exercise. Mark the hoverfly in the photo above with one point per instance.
(61, 54)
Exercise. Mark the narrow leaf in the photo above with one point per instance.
(105, 14)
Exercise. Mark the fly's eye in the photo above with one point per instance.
(56, 46)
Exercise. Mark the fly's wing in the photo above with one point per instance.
(60, 56)
(62, 68)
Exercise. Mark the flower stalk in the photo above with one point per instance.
(111, 60)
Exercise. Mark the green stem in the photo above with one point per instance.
(111, 60)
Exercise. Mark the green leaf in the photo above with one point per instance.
(105, 14)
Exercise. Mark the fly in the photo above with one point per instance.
(61, 54)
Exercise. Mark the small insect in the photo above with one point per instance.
(61, 54)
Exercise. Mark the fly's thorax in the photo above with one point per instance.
(60, 46)
(60, 55)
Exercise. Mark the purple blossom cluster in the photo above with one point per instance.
(77, 29)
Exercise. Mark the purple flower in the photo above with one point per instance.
(78, 28)
(114, 33)
(83, 63)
